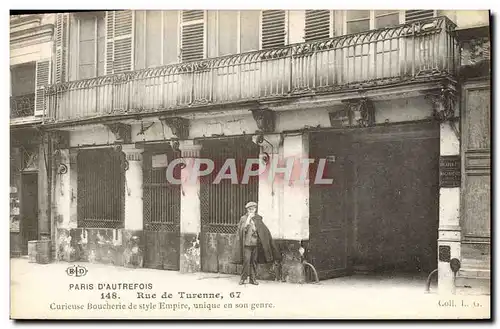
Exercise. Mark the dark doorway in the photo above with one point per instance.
(381, 214)
(29, 209)
(396, 200)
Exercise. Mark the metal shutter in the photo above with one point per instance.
(415, 15)
(273, 28)
(192, 36)
(317, 25)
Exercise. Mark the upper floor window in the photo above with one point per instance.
(232, 32)
(357, 21)
(156, 38)
(91, 46)
(23, 79)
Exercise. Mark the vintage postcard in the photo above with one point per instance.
(250, 164)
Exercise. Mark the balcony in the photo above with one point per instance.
(415, 52)
(22, 106)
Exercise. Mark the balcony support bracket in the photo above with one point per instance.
(265, 119)
(358, 112)
(60, 140)
(443, 104)
(122, 132)
(179, 126)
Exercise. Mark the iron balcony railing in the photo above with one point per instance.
(22, 106)
(405, 53)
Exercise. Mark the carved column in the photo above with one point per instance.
(190, 209)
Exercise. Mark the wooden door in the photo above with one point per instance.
(330, 210)
(29, 209)
(476, 177)
(161, 203)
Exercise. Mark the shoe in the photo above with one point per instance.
(242, 282)
(254, 282)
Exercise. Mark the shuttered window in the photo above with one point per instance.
(273, 28)
(156, 38)
(415, 15)
(192, 35)
(317, 25)
(42, 79)
(119, 35)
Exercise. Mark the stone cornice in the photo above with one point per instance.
(17, 21)
(40, 33)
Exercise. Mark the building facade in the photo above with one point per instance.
(31, 50)
(378, 95)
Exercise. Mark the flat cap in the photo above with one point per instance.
(251, 204)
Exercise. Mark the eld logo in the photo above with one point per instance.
(76, 270)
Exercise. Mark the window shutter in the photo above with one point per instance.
(192, 35)
(317, 25)
(42, 79)
(119, 34)
(273, 28)
(110, 29)
(415, 15)
(61, 43)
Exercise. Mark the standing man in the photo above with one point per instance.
(253, 244)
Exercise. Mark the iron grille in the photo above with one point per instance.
(224, 203)
(161, 198)
(22, 106)
(101, 189)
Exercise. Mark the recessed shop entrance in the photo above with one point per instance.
(29, 209)
(381, 213)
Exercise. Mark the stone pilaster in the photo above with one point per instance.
(269, 190)
(44, 229)
(133, 188)
(190, 210)
(294, 210)
(449, 211)
(65, 200)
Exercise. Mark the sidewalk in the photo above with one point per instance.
(23, 271)
(35, 287)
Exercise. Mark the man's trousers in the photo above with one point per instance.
(249, 263)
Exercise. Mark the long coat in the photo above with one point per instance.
(267, 252)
